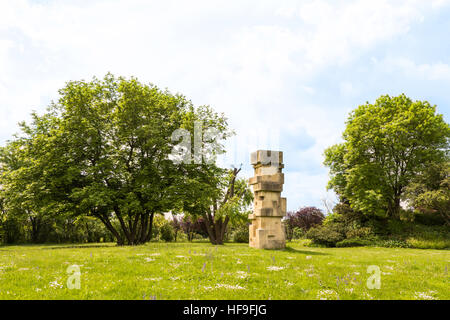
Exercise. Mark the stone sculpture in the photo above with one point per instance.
(267, 230)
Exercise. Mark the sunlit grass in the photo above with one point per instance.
(232, 271)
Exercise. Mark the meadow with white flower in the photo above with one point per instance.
(234, 271)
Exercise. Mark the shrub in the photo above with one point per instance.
(392, 243)
(327, 235)
(359, 233)
(167, 233)
(406, 215)
(305, 219)
(193, 228)
(429, 219)
(240, 234)
(421, 243)
(162, 229)
(298, 233)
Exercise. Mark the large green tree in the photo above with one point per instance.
(105, 152)
(386, 144)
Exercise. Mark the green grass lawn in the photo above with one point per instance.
(233, 271)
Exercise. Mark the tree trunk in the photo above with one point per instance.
(394, 210)
(209, 221)
(144, 227)
(35, 229)
(150, 229)
(105, 220)
(216, 228)
(123, 224)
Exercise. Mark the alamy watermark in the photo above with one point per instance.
(374, 281)
(74, 279)
(206, 145)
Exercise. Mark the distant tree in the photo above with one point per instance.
(218, 198)
(192, 226)
(177, 225)
(24, 192)
(430, 191)
(386, 145)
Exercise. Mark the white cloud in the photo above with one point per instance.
(437, 71)
(241, 57)
(436, 4)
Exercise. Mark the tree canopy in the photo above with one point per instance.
(103, 150)
(386, 144)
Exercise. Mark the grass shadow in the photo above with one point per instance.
(80, 246)
(305, 252)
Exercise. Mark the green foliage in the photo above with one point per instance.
(360, 233)
(103, 150)
(167, 233)
(220, 200)
(11, 231)
(429, 219)
(240, 234)
(298, 233)
(429, 192)
(386, 145)
(393, 243)
(346, 228)
(328, 234)
(305, 218)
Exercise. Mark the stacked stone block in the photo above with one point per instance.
(266, 229)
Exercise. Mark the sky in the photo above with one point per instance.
(285, 73)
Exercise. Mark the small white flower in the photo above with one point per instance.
(149, 259)
(325, 294)
(425, 295)
(274, 268)
(55, 284)
(308, 257)
(242, 274)
(228, 286)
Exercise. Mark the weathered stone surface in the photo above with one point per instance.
(267, 186)
(267, 230)
(276, 178)
(266, 158)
